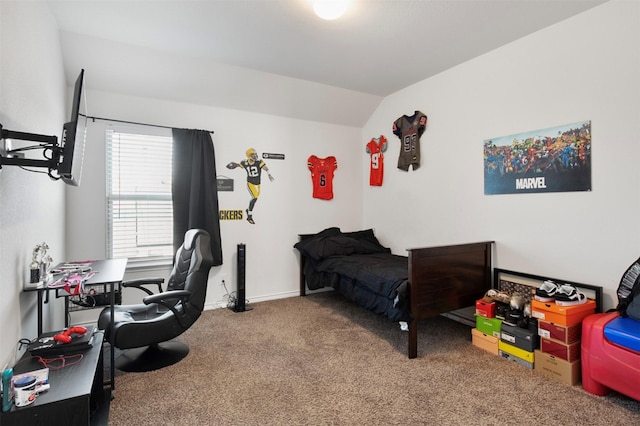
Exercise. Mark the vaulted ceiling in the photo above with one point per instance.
(277, 57)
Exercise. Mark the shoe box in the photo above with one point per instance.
(562, 315)
(522, 338)
(484, 341)
(513, 353)
(522, 362)
(490, 326)
(557, 368)
(569, 352)
(485, 309)
(560, 331)
(564, 334)
(516, 351)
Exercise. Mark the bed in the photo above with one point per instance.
(429, 281)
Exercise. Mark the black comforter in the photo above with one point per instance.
(356, 265)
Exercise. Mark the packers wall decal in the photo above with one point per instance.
(231, 214)
(253, 166)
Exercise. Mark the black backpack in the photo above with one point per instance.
(629, 289)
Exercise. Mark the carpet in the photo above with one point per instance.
(320, 360)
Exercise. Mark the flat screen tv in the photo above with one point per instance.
(74, 136)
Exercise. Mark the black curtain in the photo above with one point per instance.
(194, 188)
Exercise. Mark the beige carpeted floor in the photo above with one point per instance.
(320, 360)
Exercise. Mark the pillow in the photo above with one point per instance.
(303, 245)
(366, 234)
(322, 247)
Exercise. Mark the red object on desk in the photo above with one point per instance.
(66, 336)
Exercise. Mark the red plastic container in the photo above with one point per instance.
(606, 366)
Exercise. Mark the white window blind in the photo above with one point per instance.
(139, 206)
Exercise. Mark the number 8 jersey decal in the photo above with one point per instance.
(322, 176)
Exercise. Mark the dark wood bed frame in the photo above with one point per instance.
(441, 279)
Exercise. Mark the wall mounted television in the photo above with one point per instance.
(63, 160)
(74, 135)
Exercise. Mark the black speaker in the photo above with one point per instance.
(240, 305)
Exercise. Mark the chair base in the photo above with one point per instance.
(153, 357)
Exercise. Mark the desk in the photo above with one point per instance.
(76, 390)
(107, 272)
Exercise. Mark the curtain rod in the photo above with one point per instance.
(139, 124)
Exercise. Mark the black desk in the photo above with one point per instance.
(76, 391)
(108, 272)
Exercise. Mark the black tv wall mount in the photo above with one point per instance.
(51, 151)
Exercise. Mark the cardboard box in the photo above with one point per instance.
(522, 338)
(562, 315)
(558, 369)
(484, 341)
(569, 353)
(485, 309)
(519, 360)
(515, 351)
(490, 326)
(566, 335)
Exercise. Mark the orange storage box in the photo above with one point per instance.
(562, 315)
(484, 341)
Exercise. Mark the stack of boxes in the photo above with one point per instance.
(560, 329)
(552, 337)
(486, 335)
(518, 344)
(494, 335)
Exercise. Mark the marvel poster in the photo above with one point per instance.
(557, 159)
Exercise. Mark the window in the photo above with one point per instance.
(139, 206)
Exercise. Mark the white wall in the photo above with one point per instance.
(585, 68)
(284, 208)
(32, 99)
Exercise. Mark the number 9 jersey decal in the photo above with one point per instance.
(375, 149)
(322, 176)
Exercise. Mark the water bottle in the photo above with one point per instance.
(7, 391)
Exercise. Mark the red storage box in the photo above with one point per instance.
(562, 315)
(569, 353)
(485, 309)
(566, 335)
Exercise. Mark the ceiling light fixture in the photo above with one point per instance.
(330, 9)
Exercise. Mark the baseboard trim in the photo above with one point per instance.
(256, 299)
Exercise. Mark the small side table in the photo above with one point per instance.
(75, 393)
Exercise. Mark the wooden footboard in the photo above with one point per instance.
(446, 278)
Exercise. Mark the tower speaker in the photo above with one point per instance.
(240, 305)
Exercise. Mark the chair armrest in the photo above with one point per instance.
(138, 283)
(164, 298)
